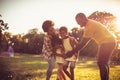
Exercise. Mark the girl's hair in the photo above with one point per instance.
(47, 24)
(63, 28)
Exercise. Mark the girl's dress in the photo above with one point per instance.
(59, 59)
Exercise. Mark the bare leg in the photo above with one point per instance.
(66, 72)
(61, 75)
(72, 73)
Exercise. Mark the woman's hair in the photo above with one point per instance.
(56, 40)
(47, 24)
(63, 28)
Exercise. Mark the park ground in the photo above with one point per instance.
(33, 67)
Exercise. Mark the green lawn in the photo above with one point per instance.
(33, 67)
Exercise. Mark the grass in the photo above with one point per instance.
(33, 67)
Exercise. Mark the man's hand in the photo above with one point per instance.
(69, 54)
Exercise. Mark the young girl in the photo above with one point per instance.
(59, 50)
(69, 43)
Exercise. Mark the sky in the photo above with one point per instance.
(23, 15)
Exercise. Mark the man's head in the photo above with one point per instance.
(81, 19)
(48, 26)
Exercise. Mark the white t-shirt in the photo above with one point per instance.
(68, 47)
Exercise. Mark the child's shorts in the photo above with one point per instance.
(59, 59)
(72, 64)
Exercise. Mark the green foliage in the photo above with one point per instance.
(116, 56)
(34, 43)
(77, 33)
(31, 42)
(3, 26)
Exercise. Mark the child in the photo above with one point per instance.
(69, 43)
(48, 28)
(59, 50)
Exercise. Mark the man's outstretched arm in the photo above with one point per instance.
(79, 46)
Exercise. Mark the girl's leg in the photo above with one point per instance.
(72, 73)
(60, 72)
(72, 66)
(65, 66)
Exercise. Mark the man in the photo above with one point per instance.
(105, 40)
(48, 28)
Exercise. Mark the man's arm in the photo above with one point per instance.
(79, 46)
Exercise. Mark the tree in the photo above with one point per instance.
(34, 41)
(17, 41)
(3, 26)
(77, 33)
(6, 39)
